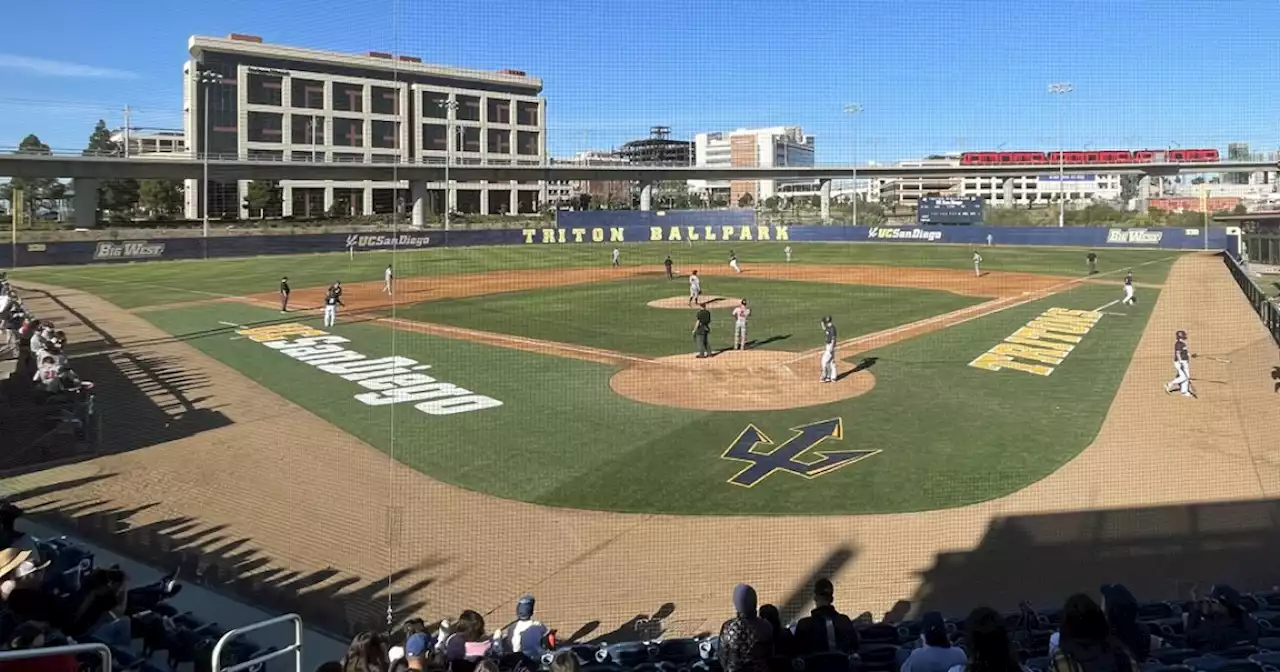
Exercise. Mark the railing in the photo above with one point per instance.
(1266, 308)
(295, 648)
(101, 650)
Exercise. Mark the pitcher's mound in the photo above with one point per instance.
(682, 302)
(738, 380)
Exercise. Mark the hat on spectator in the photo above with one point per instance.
(1226, 595)
(12, 561)
(524, 608)
(415, 646)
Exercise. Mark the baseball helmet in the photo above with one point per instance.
(1181, 335)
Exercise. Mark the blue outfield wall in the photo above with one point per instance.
(576, 230)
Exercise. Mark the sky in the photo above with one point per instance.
(932, 76)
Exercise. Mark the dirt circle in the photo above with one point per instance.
(682, 302)
(738, 380)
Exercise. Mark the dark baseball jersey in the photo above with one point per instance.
(284, 287)
(831, 334)
(332, 299)
(1180, 351)
(704, 321)
(667, 262)
(336, 290)
(733, 257)
(1128, 280)
(1091, 257)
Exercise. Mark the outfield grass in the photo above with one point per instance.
(614, 315)
(949, 434)
(132, 285)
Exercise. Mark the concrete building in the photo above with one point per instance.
(151, 142)
(776, 146)
(906, 192)
(1041, 188)
(279, 103)
(604, 193)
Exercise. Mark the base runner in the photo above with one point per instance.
(695, 287)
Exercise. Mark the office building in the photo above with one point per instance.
(151, 142)
(279, 103)
(772, 147)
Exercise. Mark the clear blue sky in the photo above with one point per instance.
(932, 75)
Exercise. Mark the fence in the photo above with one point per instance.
(1266, 308)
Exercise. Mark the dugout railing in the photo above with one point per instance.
(1265, 306)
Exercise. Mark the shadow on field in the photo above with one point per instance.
(862, 365)
(1159, 553)
(202, 554)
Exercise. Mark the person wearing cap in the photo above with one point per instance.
(825, 629)
(527, 635)
(1219, 621)
(18, 568)
(415, 651)
(936, 653)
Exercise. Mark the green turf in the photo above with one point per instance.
(949, 434)
(131, 285)
(614, 315)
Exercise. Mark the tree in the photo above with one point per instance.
(116, 198)
(264, 195)
(1239, 209)
(160, 198)
(771, 203)
(1129, 187)
(41, 192)
(746, 201)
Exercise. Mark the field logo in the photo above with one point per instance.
(130, 249)
(1044, 343)
(1134, 237)
(885, 233)
(798, 455)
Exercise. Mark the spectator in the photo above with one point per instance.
(32, 635)
(27, 573)
(46, 378)
(102, 606)
(487, 665)
(1219, 622)
(367, 653)
(331, 666)
(526, 636)
(783, 640)
(745, 643)
(988, 645)
(466, 639)
(408, 629)
(825, 629)
(565, 661)
(1121, 610)
(936, 654)
(415, 651)
(1086, 643)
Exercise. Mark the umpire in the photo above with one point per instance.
(701, 328)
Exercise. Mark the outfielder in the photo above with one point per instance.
(740, 314)
(1128, 289)
(1181, 365)
(695, 288)
(331, 302)
(829, 354)
(733, 262)
(616, 254)
(787, 251)
(284, 294)
(666, 263)
(386, 279)
(1091, 261)
(977, 264)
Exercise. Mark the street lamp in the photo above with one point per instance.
(852, 109)
(450, 107)
(1061, 89)
(206, 79)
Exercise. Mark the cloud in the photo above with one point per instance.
(48, 68)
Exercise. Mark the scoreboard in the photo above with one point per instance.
(949, 210)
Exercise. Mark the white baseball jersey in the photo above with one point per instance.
(695, 285)
(387, 274)
(742, 313)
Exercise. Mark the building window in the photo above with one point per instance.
(384, 158)
(499, 141)
(265, 90)
(435, 105)
(470, 139)
(527, 143)
(348, 157)
(435, 137)
(266, 155)
(265, 127)
(307, 93)
(526, 113)
(348, 132)
(468, 108)
(499, 111)
(306, 129)
(384, 100)
(386, 135)
(348, 97)
(307, 157)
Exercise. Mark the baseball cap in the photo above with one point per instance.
(524, 608)
(415, 646)
(1226, 595)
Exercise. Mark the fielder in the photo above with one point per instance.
(733, 262)
(616, 255)
(1181, 365)
(666, 263)
(695, 288)
(787, 251)
(1091, 262)
(740, 314)
(331, 302)
(386, 279)
(977, 264)
(1128, 290)
(284, 294)
(829, 354)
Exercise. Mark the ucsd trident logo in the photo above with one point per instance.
(798, 455)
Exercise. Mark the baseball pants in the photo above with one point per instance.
(700, 342)
(740, 336)
(1128, 294)
(734, 266)
(330, 315)
(1183, 380)
(284, 302)
(829, 364)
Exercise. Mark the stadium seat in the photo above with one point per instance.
(877, 657)
(824, 662)
(1037, 664)
(1173, 656)
(881, 633)
(1269, 660)
(683, 650)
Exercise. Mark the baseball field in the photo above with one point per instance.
(531, 419)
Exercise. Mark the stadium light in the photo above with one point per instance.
(1061, 89)
(852, 109)
(450, 107)
(206, 79)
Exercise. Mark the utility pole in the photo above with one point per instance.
(126, 131)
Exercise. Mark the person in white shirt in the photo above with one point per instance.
(695, 288)
(386, 279)
(616, 254)
(740, 314)
(787, 251)
(977, 264)
(42, 334)
(46, 378)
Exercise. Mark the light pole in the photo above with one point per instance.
(450, 108)
(206, 79)
(852, 109)
(1061, 89)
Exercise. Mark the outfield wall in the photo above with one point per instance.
(660, 227)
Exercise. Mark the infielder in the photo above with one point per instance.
(1128, 289)
(829, 354)
(695, 288)
(616, 254)
(740, 314)
(666, 263)
(1091, 261)
(284, 294)
(1181, 365)
(733, 262)
(787, 251)
(331, 302)
(386, 279)
(977, 264)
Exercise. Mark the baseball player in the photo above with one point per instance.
(1091, 260)
(733, 262)
(977, 264)
(387, 276)
(740, 315)
(284, 294)
(616, 254)
(701, 330)
(666, 263)
(787, 251)
(336, 288)
(829, 354)
(331, 302)
(990, 240)
(1128, 289)
(1181, 365)
(695, 287)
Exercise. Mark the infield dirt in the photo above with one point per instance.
(286, 508)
